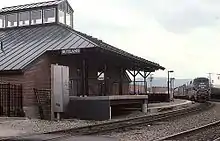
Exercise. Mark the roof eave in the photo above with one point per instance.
(3, 72)
(27, 9)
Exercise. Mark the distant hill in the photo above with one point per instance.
(162, 81)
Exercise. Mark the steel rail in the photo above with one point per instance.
(217, 139)
(190, 131)
(103, 127)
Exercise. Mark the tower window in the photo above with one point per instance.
(68, 19)
(24, 18)
(12, 20)
(49, 15)
(2, 21)
(69, 16)
(61, 16)
(36, 17)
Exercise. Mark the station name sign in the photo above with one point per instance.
(70, 51)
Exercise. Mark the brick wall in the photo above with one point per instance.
(12, 78)
(37, 75)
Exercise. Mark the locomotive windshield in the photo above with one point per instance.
(201, 82)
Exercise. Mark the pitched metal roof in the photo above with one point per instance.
(121, 52)
(24, 45)
(32, 5)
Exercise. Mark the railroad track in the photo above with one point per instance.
(215, 100)
(125, 123)
(109, 126)
(206, 132)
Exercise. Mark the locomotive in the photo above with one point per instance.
(196, 90)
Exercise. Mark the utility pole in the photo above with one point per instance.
(210, 79)
(151, 79)
(172, 87)
(168, 81)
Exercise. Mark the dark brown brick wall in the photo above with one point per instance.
(12, 78)
(37, 75)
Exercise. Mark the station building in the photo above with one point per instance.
(36, 36)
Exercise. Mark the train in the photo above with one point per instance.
(197, 90)
(215, 92)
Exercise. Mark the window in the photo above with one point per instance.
(49, 15)
(65, 14)
(12, 20)
(2, 21)
(61, 17)
(68, 19)
(63, 6)
(24, 18)
(62, 12)
(36, 17)
(69, 16)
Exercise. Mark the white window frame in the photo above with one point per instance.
(70, 24)
(48, 10)
(16, 16)
(3, 22)
(29, 18)
(63, 22)
(41, 22)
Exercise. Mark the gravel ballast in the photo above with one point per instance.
(30, 126)
(167, 127)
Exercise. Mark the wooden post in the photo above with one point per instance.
(145, 82)
(105, 80)
(134, 82)
(121, 81)
(84, 78)
(8, 99)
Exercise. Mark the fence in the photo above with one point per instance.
(140, 87)
(97, 87)
(43, 97)
(11, 100)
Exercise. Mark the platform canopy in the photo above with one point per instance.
(21, 46)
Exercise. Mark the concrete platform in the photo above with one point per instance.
(43, 137)
(112, 97)
(163, 106)
(90, 138)
(99, 107)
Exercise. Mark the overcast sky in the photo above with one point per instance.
(182, 35)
